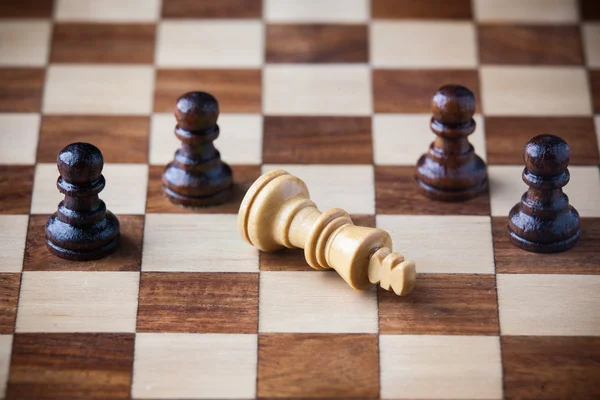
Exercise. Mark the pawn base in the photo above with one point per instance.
(82, 255)
(215, 199)
(450, 195)
(554, 247)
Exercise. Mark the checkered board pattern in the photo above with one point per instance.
(336, 92)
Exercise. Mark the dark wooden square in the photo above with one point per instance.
(127, 257)
(411, 90)
(293, 259)
(584, 258)
(238, 90)
(505, 137)
(551, 367)
(317, 140)
(595, 88)
(16, 186)
(437, 306)
(243, 177)
(317, 43)
(26, 9)
(122, 139)
(530, 44)
(396, 193)
(21, 89)
(71, 366)
(422, 9)
(213, 302)
(9, 298)
(589, 10)
(103, 43)
(212, 9)
(318, 365)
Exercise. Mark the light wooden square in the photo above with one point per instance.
(108, 10)
(240, 140)
(5, 354)
(125, 191)
(24, 42)
(202, 43)
(417, 44)
(172, 365)
(337, 11)
(314, 301)
(535, 91)
(442, 244)
(526, 11)
(349, 187)
(317, 90)
(18, 138)
(400, 139)
(507, 187)
(99, 89)
(196, 243)
(13, 232)
(78, 302)
(557, 305)
(591, 42)
(464, 367)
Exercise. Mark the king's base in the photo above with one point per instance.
(450, 195)
(215, 199)
(82, 255)
(554, 247)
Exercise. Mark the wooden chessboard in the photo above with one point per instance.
(336, 92)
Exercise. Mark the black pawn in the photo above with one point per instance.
(197, 177)
(544, 222)
(450, 170)
(82, 228)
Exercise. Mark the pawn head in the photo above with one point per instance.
(80, 163)
(453, 105)
(546, 155)
(196, 111)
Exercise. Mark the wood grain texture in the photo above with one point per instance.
(410, 91)
(505, 137)
(423, 9)
(212, 9)
(584, 258)
(551, 367)
(21, 89)
(122, 139)
(71, 366)
(293, 259)
(9, 298)
(589, 10)
(238, 90)
(127, 257)
(213, 302)
(157, 202)
(318, 365)
(594, 76)
(317, 140)
(26, 9)
(16, 186)
(438, 306)
(317, 43)
(396, 193)
(103, 43)
(530, 45)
